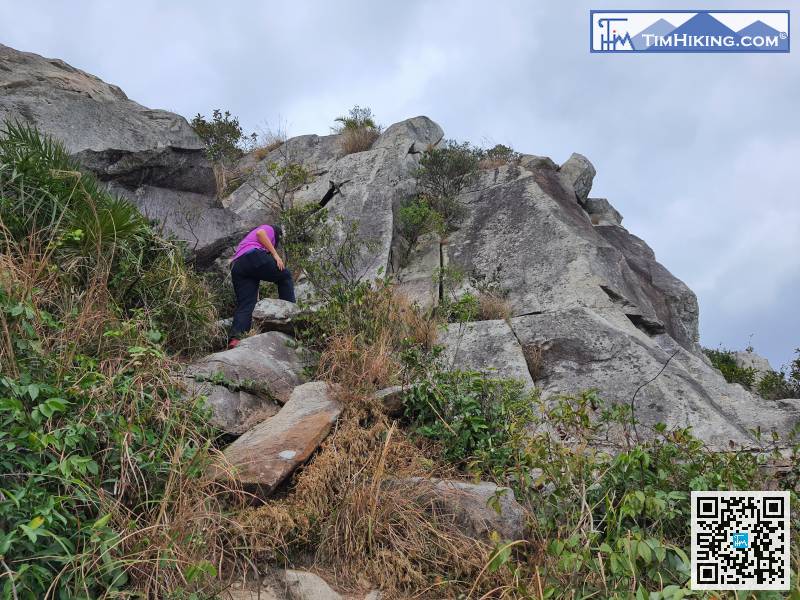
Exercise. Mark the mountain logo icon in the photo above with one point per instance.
(684, 31)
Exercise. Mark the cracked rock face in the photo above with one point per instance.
(152, 157)
(378, 179)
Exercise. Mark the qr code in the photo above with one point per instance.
(740, 541)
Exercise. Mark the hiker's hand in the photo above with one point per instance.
(279, 262)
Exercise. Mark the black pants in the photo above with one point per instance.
(247, 272)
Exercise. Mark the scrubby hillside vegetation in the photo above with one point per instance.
(112, 479)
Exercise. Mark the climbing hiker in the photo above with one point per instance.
(256, 260)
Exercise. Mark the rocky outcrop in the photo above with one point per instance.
(477, 508)
(267, 454)
(587, 295)
(747, 359)
(268, 365)
(152, 157)
(578, 173)
(488, 346)
(377, 180)
(584, 348)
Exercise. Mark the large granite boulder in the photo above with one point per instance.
(152, 157)
(747, 359)
(579, 173)
(267, 454)
(586, 348)
(594, 304)
(268, 365)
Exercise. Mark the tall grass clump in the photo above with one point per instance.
(102, 492)
(358, 130)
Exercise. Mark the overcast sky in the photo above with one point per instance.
(700, 153)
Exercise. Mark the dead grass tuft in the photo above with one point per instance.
(534, 357)
(492, 306)
(358, 139)
(358, 365)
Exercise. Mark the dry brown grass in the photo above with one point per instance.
(534, 357)
(349, 361)
(363, 532)
(260, 152)
(492, 306)
(492, 163)
(358, 139)
(420, 325)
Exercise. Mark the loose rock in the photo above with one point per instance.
(267, 454)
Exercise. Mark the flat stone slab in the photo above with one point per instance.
(266, 365)
(267, 454)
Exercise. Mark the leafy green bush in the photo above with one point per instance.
(415, 218)
(733, 373)
(473, 417)
(499, 155)
(91, 443)
(443, 173)
(222, 135)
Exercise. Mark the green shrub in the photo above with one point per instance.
(222, 135)
(356, 118)
(101, 454)
(472, 416)
(443, 173)
(499, 155)
(733, 373)
(415, 218)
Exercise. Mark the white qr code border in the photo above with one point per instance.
(781, 583)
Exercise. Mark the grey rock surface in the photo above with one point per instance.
(587, 348)
(266, 365)
(267, 454)
(579, 173)
(488, 346)
(750, 360)
(473, 506)
(233, 411)
(417, 280)
(304, 585)
(377, 181)
(270, 314)
(152, 157)
(601, 212)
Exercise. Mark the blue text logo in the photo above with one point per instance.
(689, 31)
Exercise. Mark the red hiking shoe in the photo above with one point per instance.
(233, 343)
